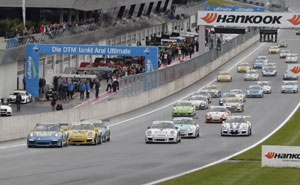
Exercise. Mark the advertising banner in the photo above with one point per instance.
(280, 156)
(245, 19)
(293, 69)
(35, 50)
(233, 9)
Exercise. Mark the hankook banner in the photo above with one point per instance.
(280, 156)
(293, 69)
(245, 19)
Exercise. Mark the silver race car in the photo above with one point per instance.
(289, 87)
(162, 132)
(251, 75)
(236, 126)
(187, 127)
(200, 102)
(266, 85)
(239, 92)
(292, 58)
(269, 71)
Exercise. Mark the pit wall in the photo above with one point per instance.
(17, 127)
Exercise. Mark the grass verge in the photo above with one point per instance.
(248, 172)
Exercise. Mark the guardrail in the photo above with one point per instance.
(136, 84)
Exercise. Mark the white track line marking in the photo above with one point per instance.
(228, 157)
(155, 110)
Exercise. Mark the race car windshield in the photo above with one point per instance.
(254, 88)
(183, 121)
(229, 95)
(237, 91)
(274, 47)
(218, 109)
(233, 100)
(183, 104)
(263, 83)
(223, 73)
(289, 83)
(262, 57)
(211, 87)
(243, 65)
(82, 127)
(197, 98)
(259, 61)
(285, 51)
(99, 125)
(163, 125)
(251, 72)
(236, 120)
(47, 128)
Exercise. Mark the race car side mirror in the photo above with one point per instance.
(248, 122)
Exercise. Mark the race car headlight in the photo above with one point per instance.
(90, 134)
(31, 134)
(174, 109)
(193, 127)
(172, 133)
(149, 133)
(190, 110)
(245, 126)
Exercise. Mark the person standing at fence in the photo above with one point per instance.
(18, 101)
(97, 87)
(53, 102)
(81, 90)
(70, 90)
(109, 84)
(87, 89)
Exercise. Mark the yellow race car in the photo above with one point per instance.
(214, 90)
(243, 67)
(274, 49)
(84, 133)
(102, 126)
(234, 105)
(224, 76)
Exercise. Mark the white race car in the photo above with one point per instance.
(251, 75)
(284, 53)
(236, 126)
(217, 114)
(269, 71)
(266, 85)
(289, 87)
(199, 101)
(26, 97)
(239, 93)
(292, 58)
(187, 127)
(162, 132)
(5, 110)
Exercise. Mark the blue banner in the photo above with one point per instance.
(35, 50)
(234, 9)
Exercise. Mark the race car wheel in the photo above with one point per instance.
(60, 144)
(108, 139)
(95, 140)
(100, 140)
(250, 132)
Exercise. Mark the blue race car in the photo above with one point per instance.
(100, 124)
(47, 135)
(254, 91)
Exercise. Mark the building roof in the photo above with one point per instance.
(85, 5)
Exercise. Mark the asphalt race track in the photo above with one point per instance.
(128, 160)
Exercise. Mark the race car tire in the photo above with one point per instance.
(250, 132)
(100, 140)
(28, 146)
(108, 139)
(230, 79)
(95, 140)
(60, 144)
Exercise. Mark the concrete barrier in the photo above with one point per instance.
(17, 127)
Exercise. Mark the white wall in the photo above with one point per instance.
(8, 79)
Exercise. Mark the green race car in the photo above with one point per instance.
(183, 109)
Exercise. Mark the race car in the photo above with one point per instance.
(224, 76)
(274, 49)
(47, 135)
(25, 96)
(289, 87)
(214, 90)
(162, 132)
(269, 65)
(239, 93)
(199, 101)
(263, 58)
(284, 53)
(217, 114)
(251, 75)
(236, 126)
(282, 44)
(5, 110)
(286, 76)
(187, 127)
(183, 108)
(204, 93)
(254, 91)
(100, 124)
(297, 32)
(234, 105)
(227, 96)
(243, 67)
(266, 86)
(292, 58)
(84, 133)
(269, 71)
(258, 63)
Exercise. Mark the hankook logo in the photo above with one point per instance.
(295, 70)
(274, 155)
(242, 19)
(295, 20)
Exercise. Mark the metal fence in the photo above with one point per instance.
(132, 85)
